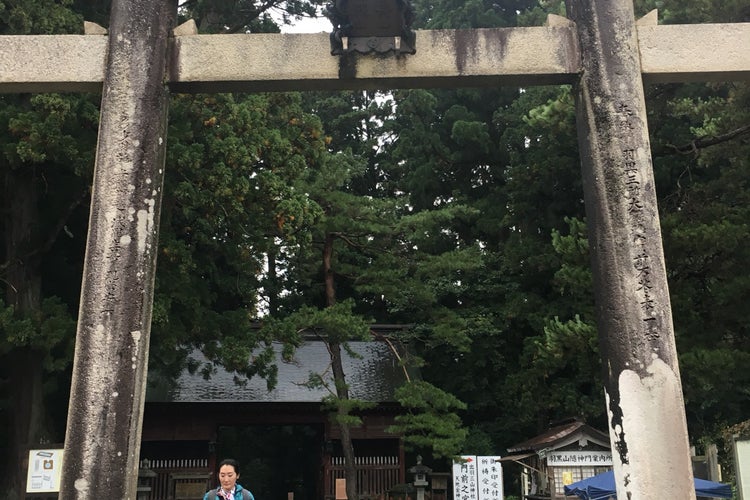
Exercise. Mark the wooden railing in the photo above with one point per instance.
(375, 475)
(177, 479)
(188, 478)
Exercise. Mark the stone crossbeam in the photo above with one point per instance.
(469, 58)
(695, 52)
(52, 63)
(545, 55)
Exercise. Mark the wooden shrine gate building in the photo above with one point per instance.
(191, 423)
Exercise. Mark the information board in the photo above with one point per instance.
(45, 467)
(477, 478)
(580, 458)
(742, 464)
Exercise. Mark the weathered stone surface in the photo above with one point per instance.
(647, 424)
(90, 28)
(266, 62)
(444, 57)
(52, 63)
(103, 435)
(695, 52)
(187, 28)
(643, 388)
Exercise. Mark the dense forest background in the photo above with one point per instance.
(457, 212)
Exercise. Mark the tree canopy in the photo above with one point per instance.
(457, 213)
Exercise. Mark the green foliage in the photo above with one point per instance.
(716, 386)
(537, 15)
(459, 212)
(479, 442)
(246, 16)
(431, 421)
(234, 166)
(460, 14)
(46, 158)
(39, 17)
(517, 196)
(343, 411)
(336, 323)
(49, 129)
(50, 329)
(701, 167)
(573, 279)
(696, 11)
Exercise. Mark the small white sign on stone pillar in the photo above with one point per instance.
(43, 475)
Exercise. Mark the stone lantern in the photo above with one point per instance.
(145, 479)
(420, 477)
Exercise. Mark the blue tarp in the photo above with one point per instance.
(602, 486)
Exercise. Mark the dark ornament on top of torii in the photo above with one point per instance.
(365, 26)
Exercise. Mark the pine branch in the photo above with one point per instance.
(251, 15)
(380, 336)
(710, 140)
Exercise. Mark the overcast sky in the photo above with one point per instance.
(309, 26)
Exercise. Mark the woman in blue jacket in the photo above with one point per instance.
(229, 489)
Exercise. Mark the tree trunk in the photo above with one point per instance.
(342, 392)
(272, 288)
(330, 289)
(339, 378)
(23, 365)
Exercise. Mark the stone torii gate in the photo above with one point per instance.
(602, 50)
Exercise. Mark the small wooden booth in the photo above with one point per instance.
(283, 438)
(568, 452)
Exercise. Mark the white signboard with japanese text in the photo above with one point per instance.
(45, 467)
(465, 478)
(477, 478)
(742, 466)
(489, 478)
(580, 459)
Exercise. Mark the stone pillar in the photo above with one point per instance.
(102, 442)
(646, 413)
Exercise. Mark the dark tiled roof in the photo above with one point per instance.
(559, 435)
(374, 378)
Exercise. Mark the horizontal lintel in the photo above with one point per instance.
(52, 63)
(695, 52)
(455, 58)
(528, 56)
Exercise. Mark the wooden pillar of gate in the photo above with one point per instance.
(105, 413)
(646, 413)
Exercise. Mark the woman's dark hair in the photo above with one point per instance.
(231, 462)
